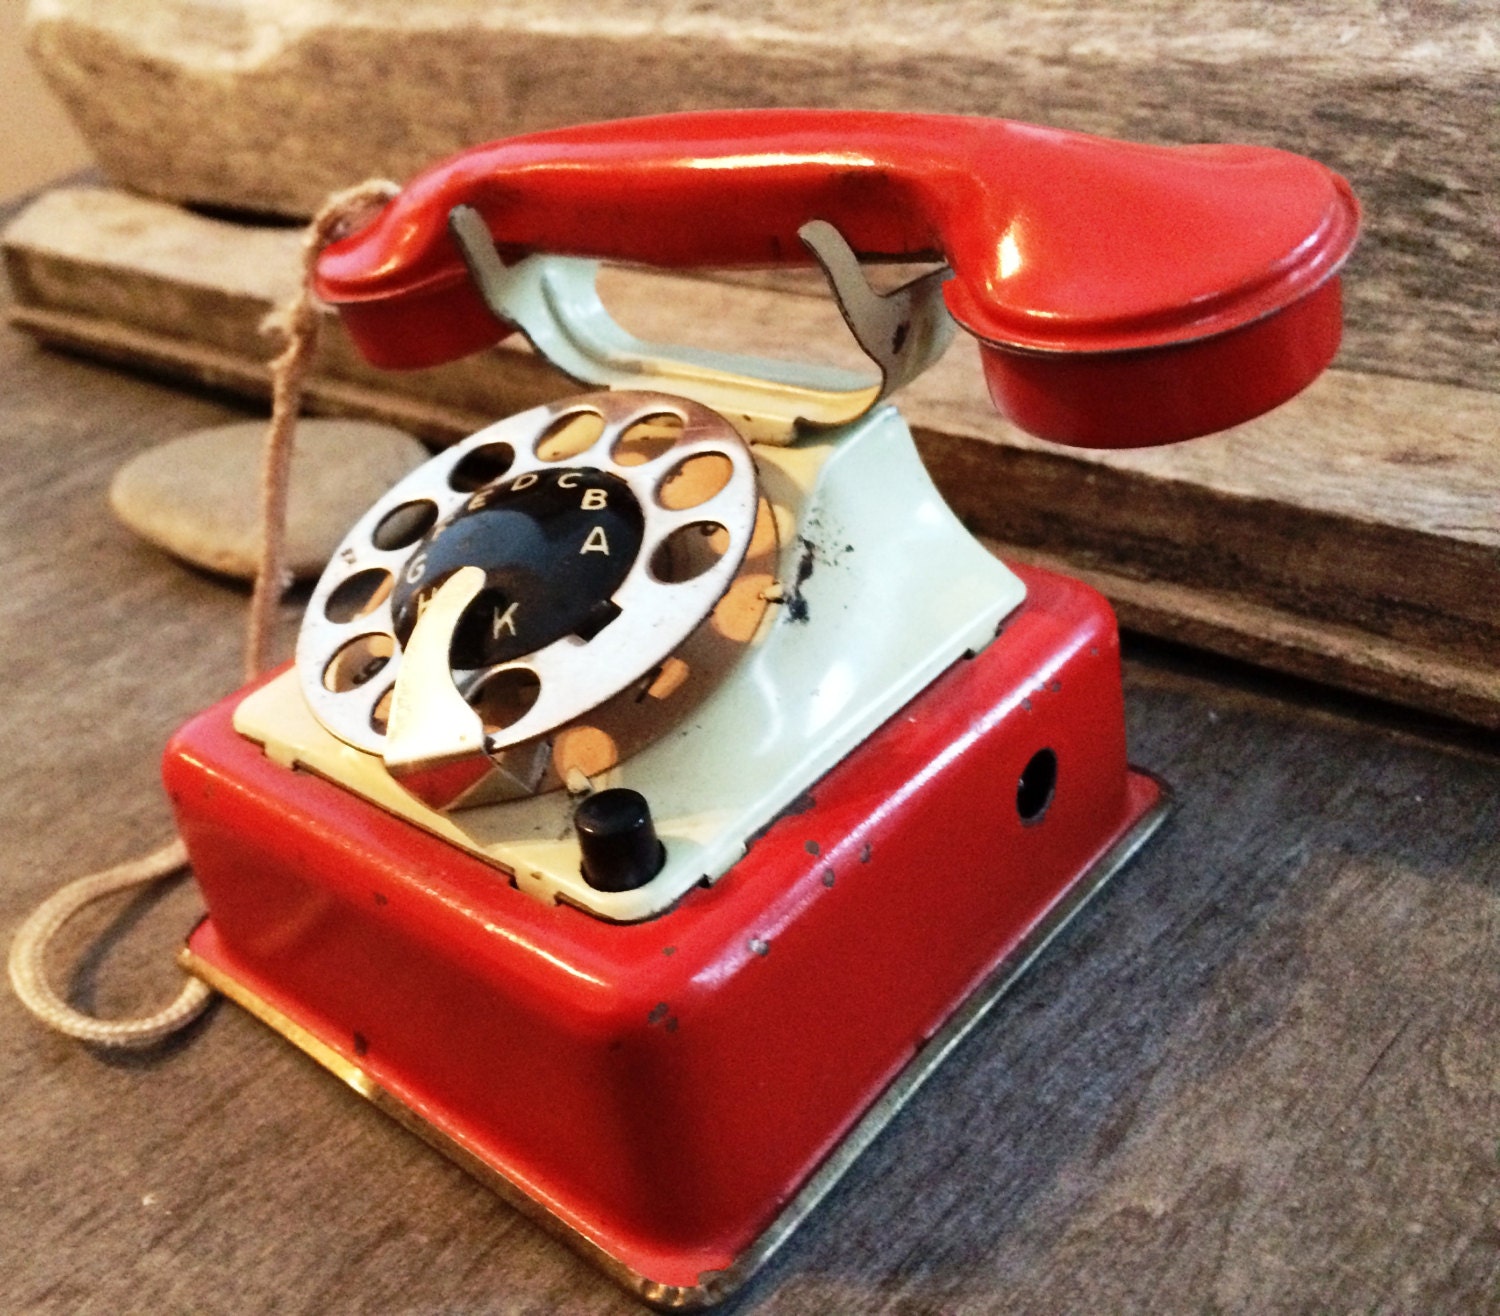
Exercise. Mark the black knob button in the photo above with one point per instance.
(618, 840)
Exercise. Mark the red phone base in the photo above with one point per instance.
(673, 1096)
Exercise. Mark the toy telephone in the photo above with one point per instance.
(666, 781)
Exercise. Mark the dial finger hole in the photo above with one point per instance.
(505, 698)
(667, 679)
(483, 466)
(647, 439)
(380, 715)
(358, 662)
(569, 435)
(402, 526)
(689, 551)
(584, 749)
(358, 595)
(694, 481)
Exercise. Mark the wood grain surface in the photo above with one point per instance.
(1258, 1076)
(1352, 536)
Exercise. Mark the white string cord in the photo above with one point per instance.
(28, 974)
(298, 323)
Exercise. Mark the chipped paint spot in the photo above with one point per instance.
(1026, 704)
(796, 604)
(669, 950)
(806, 562)
(658, 1012)
(811, 847)
(864, 853)
(672, 1024)
(828, 878)
(379, 898)
(361, 1044)
(760, 946)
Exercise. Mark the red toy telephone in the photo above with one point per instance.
(666, 781)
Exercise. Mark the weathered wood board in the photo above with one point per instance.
(290, 99)
(1352, 536)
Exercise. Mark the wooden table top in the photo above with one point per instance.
(1261, 1073)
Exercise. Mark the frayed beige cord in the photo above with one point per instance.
(28, 974)
(298, 323)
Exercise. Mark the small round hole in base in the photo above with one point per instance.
(1037, 786)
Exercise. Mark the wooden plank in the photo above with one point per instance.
(1353, 535)
(1318, 650)
(290, 100)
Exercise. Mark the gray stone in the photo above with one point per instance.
(198, 496)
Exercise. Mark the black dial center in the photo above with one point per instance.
(554, 546)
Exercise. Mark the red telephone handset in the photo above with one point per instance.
(1121, 294)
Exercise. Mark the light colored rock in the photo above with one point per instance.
(267, 105)
(198, 496)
